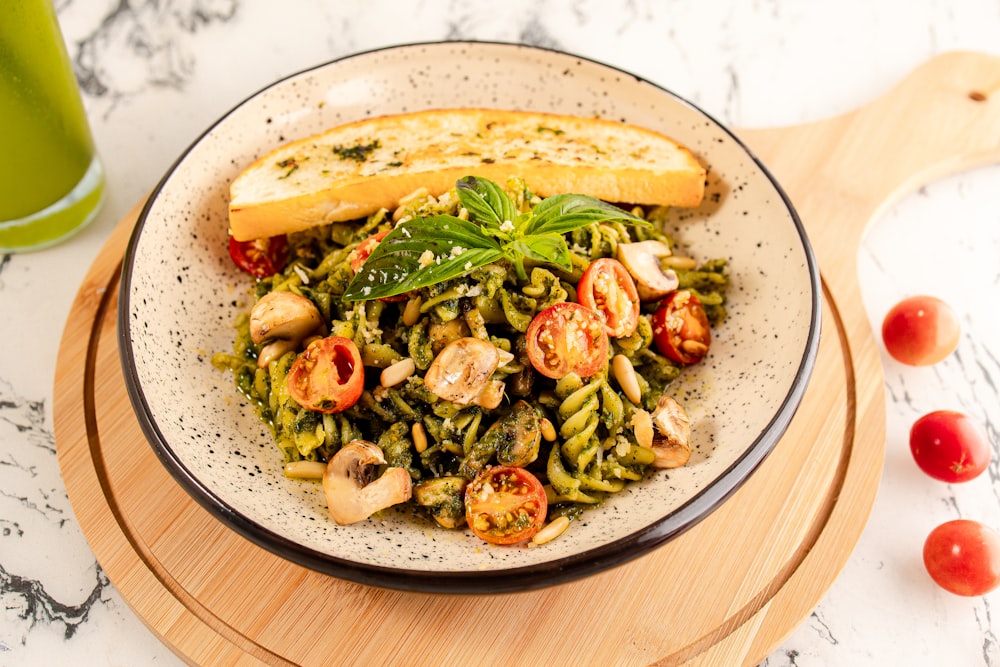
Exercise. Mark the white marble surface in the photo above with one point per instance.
(156, 73)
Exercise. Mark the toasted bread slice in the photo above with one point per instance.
(353, 170)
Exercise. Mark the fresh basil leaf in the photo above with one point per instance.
(425, 251)
(564, 213)
(421, 252)
(547, 248)
(486, 201)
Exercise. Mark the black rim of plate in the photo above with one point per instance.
(521, 578)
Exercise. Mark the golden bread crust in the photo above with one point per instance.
(355, 169)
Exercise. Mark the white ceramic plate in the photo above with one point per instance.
(180, 294)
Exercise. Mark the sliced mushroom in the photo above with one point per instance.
(461, 372)
(444, 497)
(441, 334)
(519, 435)
(352, 491)
(642, 260)
(513, 440)
(491, 395)
(281, 322)
(672, 436)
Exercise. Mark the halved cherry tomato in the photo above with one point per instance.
(680, 328)
(363, 252)
(260, 257)
(607, 288)
(505, 505)
(567, 337)
(328, 377)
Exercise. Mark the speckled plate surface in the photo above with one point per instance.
(180, 294)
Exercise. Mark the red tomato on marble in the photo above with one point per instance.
(949, 446)
(920, 331)
(963, 557)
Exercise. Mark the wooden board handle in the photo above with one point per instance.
(941, 119)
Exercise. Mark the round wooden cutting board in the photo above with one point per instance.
(726, 592)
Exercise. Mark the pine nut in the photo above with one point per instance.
(419, 437)
(548, 430)
(625, 374)
(642, 428)
(554, 529)
(305, 469)
(398, 372)
(411, 313)
(273, 351)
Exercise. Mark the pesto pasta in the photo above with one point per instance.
(575, 431)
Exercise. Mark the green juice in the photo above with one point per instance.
(51, 182)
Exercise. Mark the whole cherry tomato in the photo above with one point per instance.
(949, 446)
(607, 288)
(920, 331)
(680, 328)
(260, 257)
(963, 557)
(567, 338)
(328, 377)
(505, 505)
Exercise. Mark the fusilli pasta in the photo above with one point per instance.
(595, 451)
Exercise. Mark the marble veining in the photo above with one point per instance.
(156, 73)
(150, 37)
(33, 605)
(35, 512)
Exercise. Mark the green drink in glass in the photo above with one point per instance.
(51, 180)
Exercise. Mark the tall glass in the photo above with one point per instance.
(51, 180)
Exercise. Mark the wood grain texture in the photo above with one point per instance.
(725, 592)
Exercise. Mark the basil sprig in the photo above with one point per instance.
(424, 251)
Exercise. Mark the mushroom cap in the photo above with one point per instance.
(672, 439)
(283, 316)
(461, 372)
(352, 491)
(520, 435)
(444, 498)
(642, 259)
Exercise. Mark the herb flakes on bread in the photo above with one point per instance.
(353, 170)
